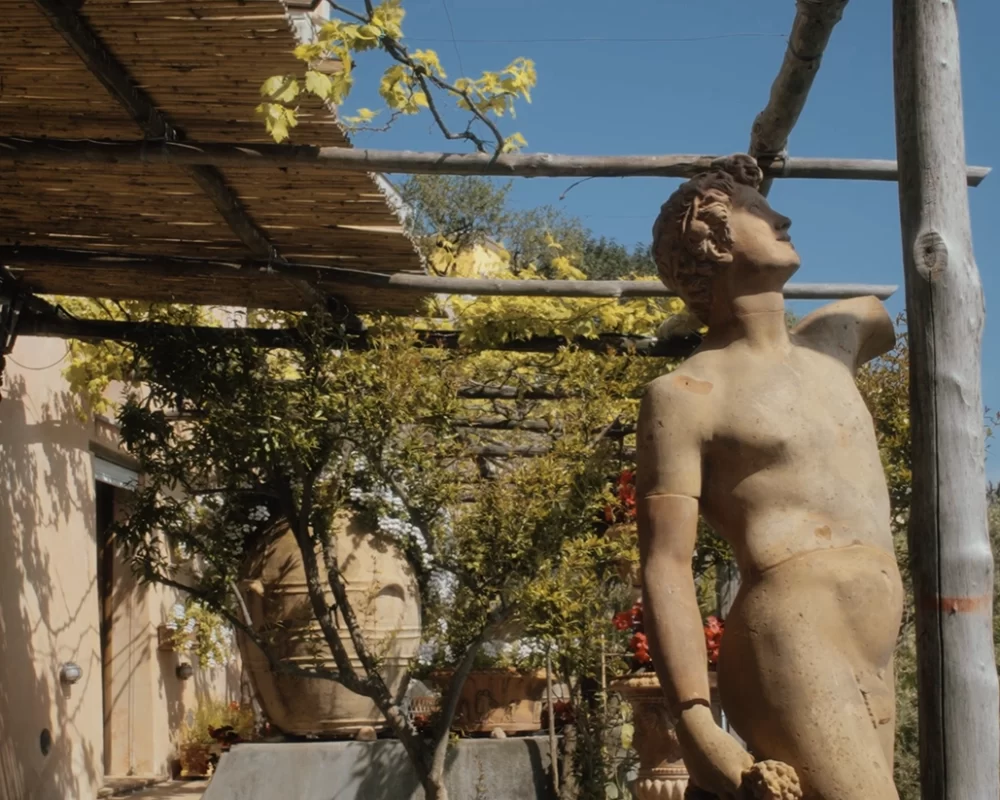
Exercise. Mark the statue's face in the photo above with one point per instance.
(760, 234)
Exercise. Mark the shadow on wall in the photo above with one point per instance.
(48, 747)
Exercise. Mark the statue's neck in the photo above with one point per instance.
(757, 319)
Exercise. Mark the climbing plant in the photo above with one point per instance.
(415, 80)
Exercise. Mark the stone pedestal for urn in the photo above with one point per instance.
(662, 774)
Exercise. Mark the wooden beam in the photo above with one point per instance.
(331, 278)
(479, 392)
(63, 327)
(344, 159)
(152, 122)
(526, 451)
(950, 554)
(811, 29)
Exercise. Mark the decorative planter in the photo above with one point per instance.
(497, 698)
(196, 760)
(662, 774)
(384, 595)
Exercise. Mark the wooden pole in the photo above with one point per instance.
(346, 159)
(949, 544)
(553, 741)
(326, 277)
(811, 29)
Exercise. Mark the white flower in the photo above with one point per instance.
(425, 654)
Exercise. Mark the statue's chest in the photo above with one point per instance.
(787, 409)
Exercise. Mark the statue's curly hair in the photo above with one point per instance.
(692, 232)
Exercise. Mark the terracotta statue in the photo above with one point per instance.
(764, 433)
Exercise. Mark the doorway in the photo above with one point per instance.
(124, 635)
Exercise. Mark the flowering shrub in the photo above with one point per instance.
(522, 655)
(638, 645)
(622, 510)
(197, 630)
(713, 639)
(215, 721)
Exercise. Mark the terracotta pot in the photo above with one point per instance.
(384, 595)
(196, 760)
(497, 698)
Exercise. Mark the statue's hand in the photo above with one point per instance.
(714, 759)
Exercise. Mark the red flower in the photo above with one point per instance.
(713, 639)
(624, 509)
(623, 620)
(639, 645)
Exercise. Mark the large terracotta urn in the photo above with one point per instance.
(662, 774)
(492, 699)
(383, 593)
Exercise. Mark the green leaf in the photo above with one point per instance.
(628, 733)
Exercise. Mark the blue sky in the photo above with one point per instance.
(689, 77)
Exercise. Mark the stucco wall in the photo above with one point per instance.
(50, 606)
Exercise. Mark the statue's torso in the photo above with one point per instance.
(791, 464)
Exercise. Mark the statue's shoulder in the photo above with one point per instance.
(688, 389)
(854, 331)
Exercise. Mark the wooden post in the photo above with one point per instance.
(553, 741)
(949, 544)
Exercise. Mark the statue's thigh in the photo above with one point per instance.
(812, 708)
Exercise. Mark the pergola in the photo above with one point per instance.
(132, 168)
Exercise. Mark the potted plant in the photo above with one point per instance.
(211, 730)
(199, 631)
(662, 774)
(504, 691)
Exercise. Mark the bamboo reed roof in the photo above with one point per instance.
(200, 63)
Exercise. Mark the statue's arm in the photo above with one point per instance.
(671, 429)
(854, 330)
(669, 484)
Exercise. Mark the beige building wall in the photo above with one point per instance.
(52, 737)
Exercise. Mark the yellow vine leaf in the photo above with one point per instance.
(363, 116)
(319, 84)
(430, 61)
(280, 88)
(389, 17)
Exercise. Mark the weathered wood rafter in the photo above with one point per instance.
(62, 326)
(332, 278)
(344, 159)
(811, 29)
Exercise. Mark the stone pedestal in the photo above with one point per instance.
(662, 774)
(500, 769)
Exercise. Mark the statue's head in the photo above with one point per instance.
(716, 221)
